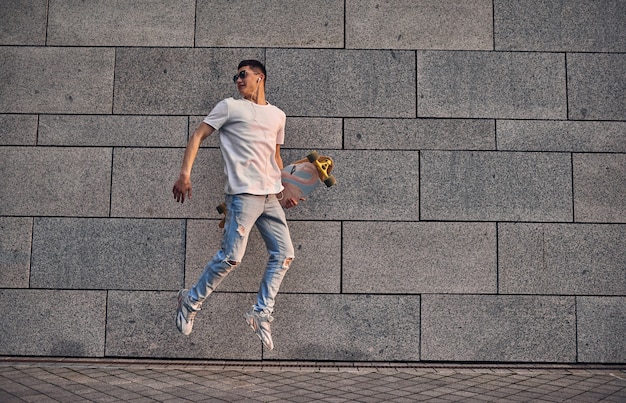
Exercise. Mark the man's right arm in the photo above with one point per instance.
(182, 187)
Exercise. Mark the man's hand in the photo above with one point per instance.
(181, 188)
(289, 203)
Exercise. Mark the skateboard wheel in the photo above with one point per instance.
(313, 156)
(330, 181)
(221, 208)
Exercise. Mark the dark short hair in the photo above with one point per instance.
(254, 64)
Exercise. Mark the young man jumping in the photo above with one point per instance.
(251, 132)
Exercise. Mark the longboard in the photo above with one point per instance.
(303, 176)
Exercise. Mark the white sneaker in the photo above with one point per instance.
(185, 312)
(260, 323)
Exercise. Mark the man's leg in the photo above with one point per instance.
(242, 211)
(272, 225)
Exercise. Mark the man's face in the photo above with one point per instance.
(247, 81)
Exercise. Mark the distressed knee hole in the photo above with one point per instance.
(287, 262)
(241, 230)
(232, 263)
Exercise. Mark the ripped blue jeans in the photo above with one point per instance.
(242, 212)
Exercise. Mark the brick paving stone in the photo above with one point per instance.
(448, 398)
(72, 383)
(5, 396)
(403, 400)
(464, 393)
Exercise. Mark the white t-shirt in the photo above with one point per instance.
(249, 134)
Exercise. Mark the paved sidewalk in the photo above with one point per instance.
(78, 380)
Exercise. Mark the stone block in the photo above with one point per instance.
(560, 25)
(495, 186)
(566, 136)
(342, 83)
(601, 329)
(346, 328)
(419, 134)
(151, 173)
(121, 23)
(423, 24)
(600, 187)
(113, 130)
(310, 24)
(316, 268)
(570, 259)
(23, 22)
(18, 130)
(15, 247)
(491, 85)
(56, 80)
(498, 328)
(417, 258)
(98, 253)
(55, 181)
(142, 324)
(595, 86)
(371, 185)
(313, 133)
(52, 323)
(176, 81)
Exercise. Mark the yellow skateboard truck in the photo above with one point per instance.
(324, 167)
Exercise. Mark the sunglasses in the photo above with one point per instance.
(242, 74)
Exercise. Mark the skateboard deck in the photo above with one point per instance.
(301, 178)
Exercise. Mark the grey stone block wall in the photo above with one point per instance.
(498, 328)
(491, 85)
(57, 79)
(480, 149)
